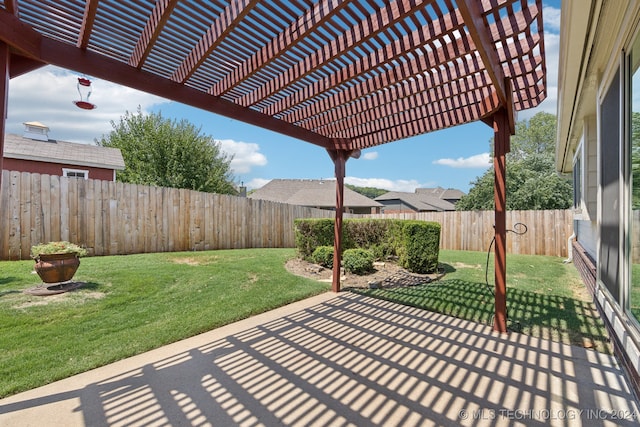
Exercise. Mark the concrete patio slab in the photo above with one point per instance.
(341, 360)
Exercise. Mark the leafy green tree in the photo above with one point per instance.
(169, 153)
(532, 182)
(370, 192)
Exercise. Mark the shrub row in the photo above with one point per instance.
(416, 244)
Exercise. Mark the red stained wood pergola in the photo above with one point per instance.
(341, 74)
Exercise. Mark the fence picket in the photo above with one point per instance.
(111, 218)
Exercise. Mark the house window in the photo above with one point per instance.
(633, 175)
(75, 173)
(610, 133)
(577, 180)
(585, 173)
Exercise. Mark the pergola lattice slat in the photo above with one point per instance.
(287, 39)
(152, 29)
(87, 23)
(355, 37)
(392, 52)
(232, 15)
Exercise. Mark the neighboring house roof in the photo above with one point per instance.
(310, 192)
(71, 153)
(441, 193)
(419, 202)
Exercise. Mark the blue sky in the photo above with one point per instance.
(450, 158)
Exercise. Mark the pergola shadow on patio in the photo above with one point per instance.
(345, 75)
(345, 360)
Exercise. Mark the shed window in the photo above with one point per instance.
(75, 173)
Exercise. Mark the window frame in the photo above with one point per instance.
(67, 171)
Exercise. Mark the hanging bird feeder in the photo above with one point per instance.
(84, 89)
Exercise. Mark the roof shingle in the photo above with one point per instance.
(52, 151)
(310, 192)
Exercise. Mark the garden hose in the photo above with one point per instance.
(518, 229)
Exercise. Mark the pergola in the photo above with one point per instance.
(341, 74)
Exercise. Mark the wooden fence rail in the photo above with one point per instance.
(111, 218)
(547, 231)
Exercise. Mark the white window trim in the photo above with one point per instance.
(66, 171)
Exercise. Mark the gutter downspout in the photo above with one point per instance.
(570, 248)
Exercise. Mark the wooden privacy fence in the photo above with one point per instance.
(547, 231)
(111, 218)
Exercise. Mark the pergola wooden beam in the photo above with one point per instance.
(503, 127)
(333, 114)
(366, 29)
(339, 158)
(90, 9)
(410, 68)
(502, 132)
(315, 16)
(232, 15)
(11, 6)
(20, 65)
(151, 32)
(441, 115)
(478, 30)
(425, 91)
(388, 55)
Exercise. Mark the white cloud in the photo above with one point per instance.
(551, 18)
(46, 95)
(370, 155)
(387, 184)
(245, 155)
(477, 161)
(256, 183)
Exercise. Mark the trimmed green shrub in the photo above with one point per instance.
(365, 233)
(311, 233)
(357, 261)
(415, 243)
(420, 246)
(323, 255)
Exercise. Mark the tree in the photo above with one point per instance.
(370, 192)
(532, 182)
(169, 153)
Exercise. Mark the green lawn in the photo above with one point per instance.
(135, 303)
(131, 304)
(545, 297)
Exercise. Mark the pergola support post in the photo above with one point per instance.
(502, 135)
(339, 158)
(4, 96)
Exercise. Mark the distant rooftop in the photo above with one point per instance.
(441, 193)
(426, 199)
(310, 192)
(53, 151)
